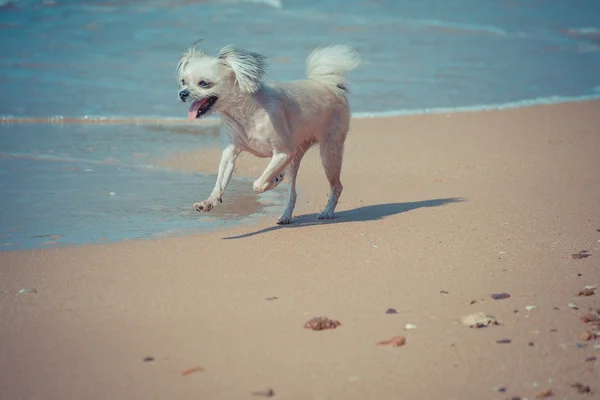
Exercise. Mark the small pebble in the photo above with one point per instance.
(543, 394)
(529, 308)
(396, 341)
(500, 296)
(589, 317)
(148, 359)
(503, 341)
(264, 393)
(444, 292)
(581, 388)
(590, 359)
(391, 311)
(410, 326)
(112, 193)
(271, 298)
(191, 370)
(499, 389)
(530, 344)
(321, 323)
(479, 320)
(23, 291)
(586, 293)
(581, 255)
(573, 306)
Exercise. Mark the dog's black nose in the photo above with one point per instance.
(184, 94)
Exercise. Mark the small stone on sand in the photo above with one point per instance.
(581, 388)
(191, 370)
(396, 341)
(321, 323)
(586, 292)
(543, 394)
(264, 393)
(479, 320)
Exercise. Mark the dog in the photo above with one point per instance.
(280, 120)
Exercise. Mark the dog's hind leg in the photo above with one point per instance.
(292, 172)
(332, 153)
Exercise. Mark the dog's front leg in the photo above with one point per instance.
(272, 175)
(226, 167)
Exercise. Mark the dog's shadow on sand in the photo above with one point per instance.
(360, 214)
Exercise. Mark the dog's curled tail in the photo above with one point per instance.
(328, 65)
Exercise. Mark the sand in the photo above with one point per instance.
(437, 211)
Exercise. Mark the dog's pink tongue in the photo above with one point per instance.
(194, 109)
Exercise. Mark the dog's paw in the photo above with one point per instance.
(284, 220)
(277, 180)
(260, 187)
(203, 206)
(325, 215)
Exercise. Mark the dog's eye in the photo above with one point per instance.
(183, 82)
(204, 84)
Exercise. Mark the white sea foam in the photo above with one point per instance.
(214, 120)
(482, 107)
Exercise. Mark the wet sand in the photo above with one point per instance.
(438, 213)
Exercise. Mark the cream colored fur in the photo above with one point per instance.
(278, 120)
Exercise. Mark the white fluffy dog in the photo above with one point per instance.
(277, 120)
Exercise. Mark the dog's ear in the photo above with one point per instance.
(186, 57)
(183, 62)
(247, 67)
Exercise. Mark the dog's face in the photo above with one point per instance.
(214, 83)
(202, 82)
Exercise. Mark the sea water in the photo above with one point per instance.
(91, 60)
(74, 58)
(81, 183)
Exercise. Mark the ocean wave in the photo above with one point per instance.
(583, 31)
(213, 120)
(414, 23)
(106, 5)
(269, 3)
(105, 120)
(483, 107)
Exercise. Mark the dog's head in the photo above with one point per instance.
(217, 83)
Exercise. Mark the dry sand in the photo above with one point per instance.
(437, 211)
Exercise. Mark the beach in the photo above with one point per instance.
(439, 212)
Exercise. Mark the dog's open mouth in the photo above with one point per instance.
(201, 107)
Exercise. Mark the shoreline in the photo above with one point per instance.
(173, 120)
(439, 212)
